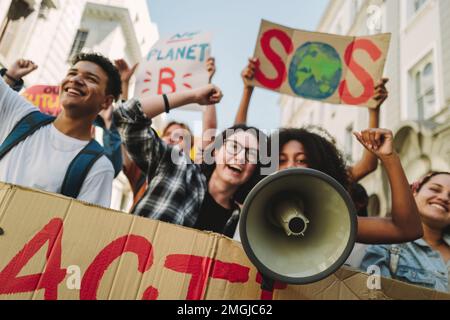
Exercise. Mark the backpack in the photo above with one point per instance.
(78, 168)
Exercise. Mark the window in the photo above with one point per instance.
(418, 4)
(78, 43)
(45, 7)
(414, 6)
(424, 91)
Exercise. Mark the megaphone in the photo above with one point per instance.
(298, 226)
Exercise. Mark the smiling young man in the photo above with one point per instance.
(48, 157)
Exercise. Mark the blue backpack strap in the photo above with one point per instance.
(79, 169)
(23, 129)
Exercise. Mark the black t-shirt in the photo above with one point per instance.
(213, 217)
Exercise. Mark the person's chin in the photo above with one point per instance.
(434, 219)
(71, 102)
(233, 180)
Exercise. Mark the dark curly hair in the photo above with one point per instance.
(321, 154)
(114, 85)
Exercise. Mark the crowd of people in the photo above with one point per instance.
(206, 189)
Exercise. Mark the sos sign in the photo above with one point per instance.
(318, 66)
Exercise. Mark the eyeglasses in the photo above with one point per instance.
(234, 148)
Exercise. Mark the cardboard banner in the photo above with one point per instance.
(319, 66)
(46, 98)
(52, 247)
(175, 64)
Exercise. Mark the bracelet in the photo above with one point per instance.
(166, 103)
(18, 84)
(4, 73)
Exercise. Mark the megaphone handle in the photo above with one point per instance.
(267, 283)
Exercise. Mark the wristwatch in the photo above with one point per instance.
(18, 84)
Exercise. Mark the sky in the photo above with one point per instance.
(235, 26)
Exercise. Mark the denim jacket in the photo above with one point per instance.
(414, 262)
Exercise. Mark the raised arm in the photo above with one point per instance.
(209, 114)
(125, 75)
(133, 120)
(21, 68)
(247, 74)
(13, 107)
(405, 224)
(369, 161)
(206, 95)
(142, 143)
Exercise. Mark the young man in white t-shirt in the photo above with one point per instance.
(42, 160)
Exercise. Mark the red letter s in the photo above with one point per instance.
(274, 58)
(359, 72)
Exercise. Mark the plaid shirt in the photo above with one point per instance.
(176, 190)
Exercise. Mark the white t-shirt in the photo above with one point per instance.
(42, 160)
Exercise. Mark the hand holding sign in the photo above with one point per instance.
(176, 64)
(211, 68)
(21, 68)
(381, 93)
(248, 73)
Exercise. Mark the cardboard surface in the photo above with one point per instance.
(318, 66)
(57, 248)
(175, 64)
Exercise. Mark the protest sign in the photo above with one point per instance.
(54, 247)
(175, 64)
(46, 98)
(318, 66)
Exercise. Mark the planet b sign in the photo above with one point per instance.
(319, 66)
(175, 64)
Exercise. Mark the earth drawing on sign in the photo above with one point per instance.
(315, 71)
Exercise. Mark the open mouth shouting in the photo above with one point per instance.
(234, 169)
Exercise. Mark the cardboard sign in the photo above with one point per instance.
(319, 66)
(175, 64)
(53, 247)
(46, 98)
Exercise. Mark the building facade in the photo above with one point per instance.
(418, 67)
(51, 32)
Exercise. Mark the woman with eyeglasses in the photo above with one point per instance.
(232, 173)
(203, 196)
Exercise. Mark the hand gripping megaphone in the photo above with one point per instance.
(298, 226)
